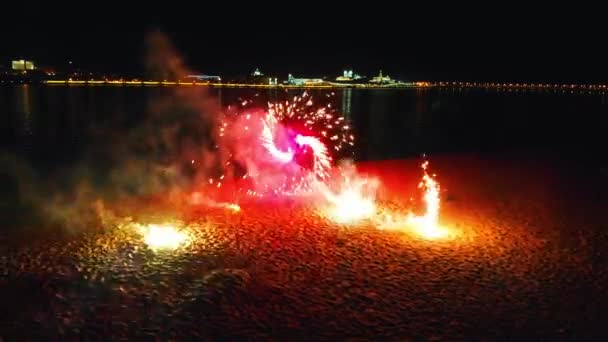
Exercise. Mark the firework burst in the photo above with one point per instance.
(284, 149)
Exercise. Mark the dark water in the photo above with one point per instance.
(56, 126)
(122, 140)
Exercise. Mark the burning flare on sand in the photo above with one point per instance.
(163, 236)
(427, 225)
(355, 201)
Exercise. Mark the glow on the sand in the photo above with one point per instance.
(164, 236)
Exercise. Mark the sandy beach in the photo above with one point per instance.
(529, 261)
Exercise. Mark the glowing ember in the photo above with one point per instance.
(197, 198)
(163, 237)
(233, 207)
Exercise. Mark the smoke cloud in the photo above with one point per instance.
(171, 150)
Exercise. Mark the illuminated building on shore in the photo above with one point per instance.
(348, 76)
(203, 78)
(382, 79)
(23, 65)
(258, 77)
(303, 81)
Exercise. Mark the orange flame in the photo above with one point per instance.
(163, 236)
(353, 202)
(427, 225)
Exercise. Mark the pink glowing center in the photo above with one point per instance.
(322, 160)
(268, 142)
(315, 144)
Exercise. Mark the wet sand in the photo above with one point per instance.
(529, 262)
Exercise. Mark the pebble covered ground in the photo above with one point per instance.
(529, 261)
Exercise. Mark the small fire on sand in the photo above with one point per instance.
(350, 205)
(164, 236)
(355, 201)
(427, 225)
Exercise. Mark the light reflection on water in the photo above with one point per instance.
(49, 121)
(23, 106)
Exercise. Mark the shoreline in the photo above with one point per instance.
(229, 85)
(516, 88)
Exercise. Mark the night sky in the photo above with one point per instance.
(310, 39)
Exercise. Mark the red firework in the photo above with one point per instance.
(286, 148)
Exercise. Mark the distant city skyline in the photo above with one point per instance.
(314, 41)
